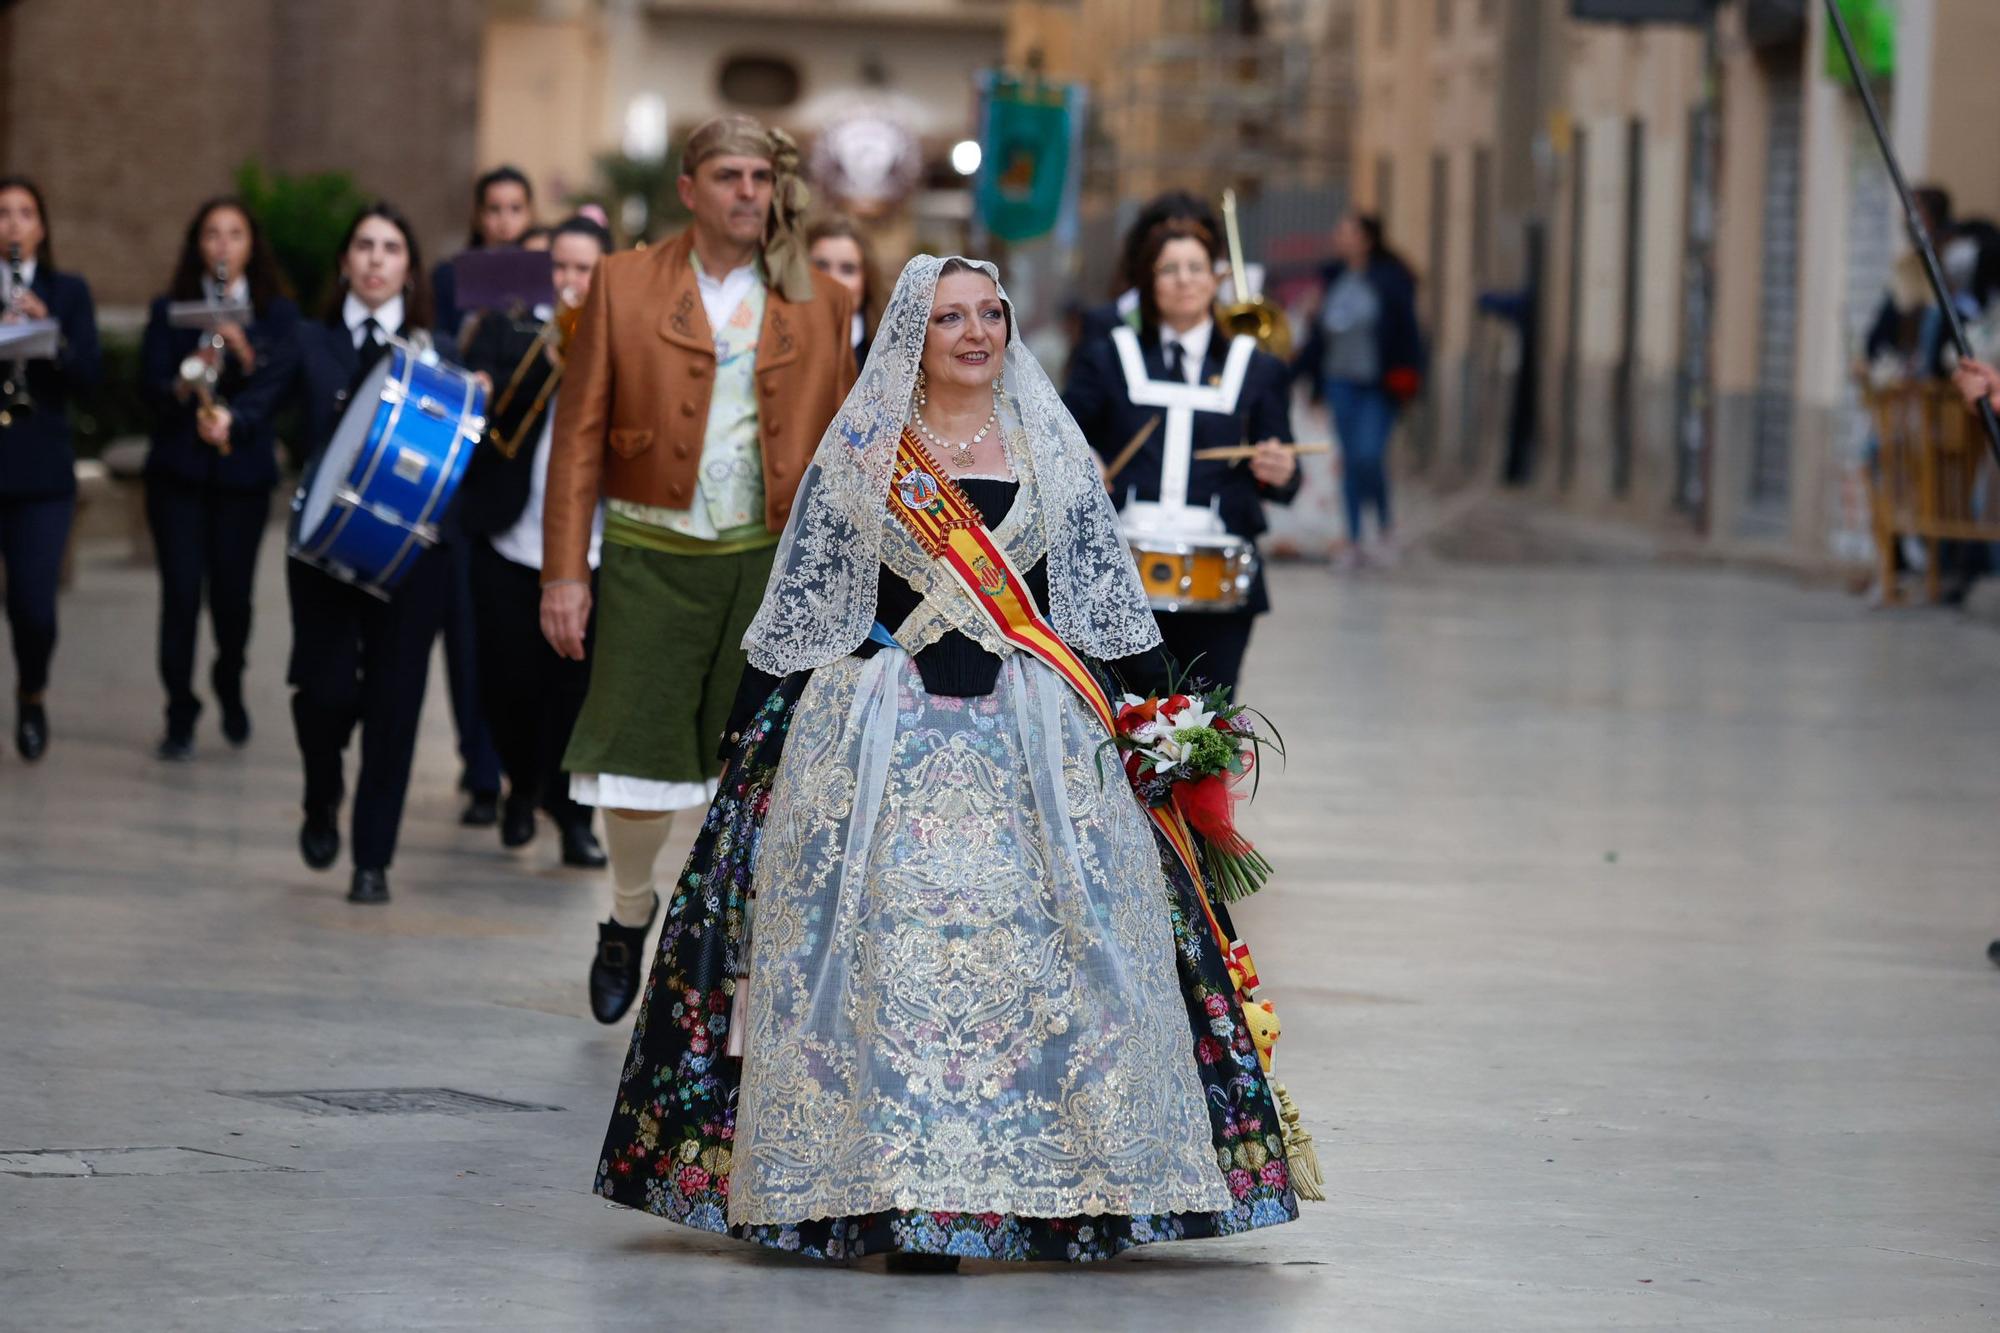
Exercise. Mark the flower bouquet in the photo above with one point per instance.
(1189, 751)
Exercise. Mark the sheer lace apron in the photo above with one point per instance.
(963, 991)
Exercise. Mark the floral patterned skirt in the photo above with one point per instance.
(670, 1148)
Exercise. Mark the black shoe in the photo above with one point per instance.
(482, 811)
(236, 724)
(31, 731)
(319, 838)
(614, 972)
(1993, 953)
(368, 886)
(175, 748)
(580, 848)
(517, 825)
(900, 1262)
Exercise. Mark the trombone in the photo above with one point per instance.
(1253, 315)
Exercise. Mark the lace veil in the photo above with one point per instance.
(820, 603)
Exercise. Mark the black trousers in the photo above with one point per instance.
(478, 761)
(359, 660)
(33, 533)
(531, 693)
(1207, 646)
(204, 539)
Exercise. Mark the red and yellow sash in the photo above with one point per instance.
(936, 512)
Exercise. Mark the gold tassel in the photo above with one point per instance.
(1300, 1157)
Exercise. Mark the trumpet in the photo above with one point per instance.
(537, 373)
(201, 374)
(15, 400)
(1247, 314)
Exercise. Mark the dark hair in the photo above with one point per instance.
(1935, 201)
(266, 282)
(536, 233)
(45, 257)
(833, 225)
(1168, 207)
(1378, 242)
(497, 176)
(417, 308)
(1157, 240)
(957, 265)
(580, 225)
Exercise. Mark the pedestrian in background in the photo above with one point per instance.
(1365, 354)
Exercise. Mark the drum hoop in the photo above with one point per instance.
(387, 434)
(458, 439)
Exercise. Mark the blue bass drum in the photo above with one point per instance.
(371, 503)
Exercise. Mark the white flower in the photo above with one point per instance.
(1194, 715)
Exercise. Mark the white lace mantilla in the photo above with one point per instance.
(820, 603)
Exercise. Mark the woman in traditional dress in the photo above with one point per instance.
(927, 985)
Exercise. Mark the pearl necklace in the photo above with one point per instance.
(961, 454)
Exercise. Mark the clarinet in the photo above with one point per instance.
(17, 402)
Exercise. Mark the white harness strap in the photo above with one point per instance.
(1182, 401)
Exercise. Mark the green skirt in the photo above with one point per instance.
(667, 661)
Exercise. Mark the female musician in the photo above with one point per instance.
(1366, 354)
(839, 250)
(1179, 342)
(978, 1017)
(357, 659)
(214, 457)
(531, 693)
(503, 213)
(37, 463)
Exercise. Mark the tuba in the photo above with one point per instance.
(1253, 315)
(15, 400)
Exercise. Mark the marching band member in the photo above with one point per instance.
(1132, 277)
(503, 214)
(37, 463)
(357, 659)
(531, 693)
(214, 457)
(1118, 385)
(839, 250)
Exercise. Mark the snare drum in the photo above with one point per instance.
(372, 501)
(1195, 573)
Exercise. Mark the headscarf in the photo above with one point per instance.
(787, 266)
(820, 603)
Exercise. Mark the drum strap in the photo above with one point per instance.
(1181, 401)
(937, 514)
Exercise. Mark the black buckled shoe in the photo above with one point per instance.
(517, 823)
(319, 837)
(580, 848)
(368, 886)
(482, 811)
(31, 731)
(614, 972)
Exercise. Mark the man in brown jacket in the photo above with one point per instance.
(700, 378)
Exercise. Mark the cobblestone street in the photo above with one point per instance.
(1629, 938)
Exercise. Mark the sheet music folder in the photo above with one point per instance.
(29, 339)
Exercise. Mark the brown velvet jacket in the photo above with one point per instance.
(633, 409)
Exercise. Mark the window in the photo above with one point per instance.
(764, 82)
(1389, 21)
(1444, 8)
(1385, 188)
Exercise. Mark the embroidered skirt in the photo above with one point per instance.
(985, 1018)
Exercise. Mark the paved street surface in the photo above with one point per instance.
(1629, 942)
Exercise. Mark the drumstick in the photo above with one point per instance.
(1235, 452)
(1131, 450)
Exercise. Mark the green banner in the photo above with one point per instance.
(1025, 166)
(1872, 24)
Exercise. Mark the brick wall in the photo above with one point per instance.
(130, 112)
